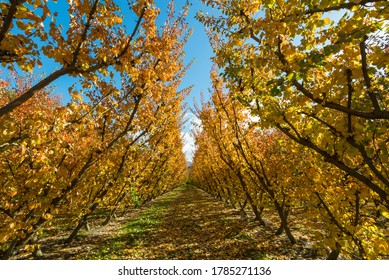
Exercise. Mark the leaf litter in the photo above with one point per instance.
(184, 224)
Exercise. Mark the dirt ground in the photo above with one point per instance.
(186, 223)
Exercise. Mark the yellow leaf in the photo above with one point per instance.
(385, 214)
(76, 96)
(327, 21)
(47, 216)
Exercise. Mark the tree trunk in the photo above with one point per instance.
(334, 254)
(255, 209)
(74, 233)
(283, 214)
(8, 253)
(242, 207)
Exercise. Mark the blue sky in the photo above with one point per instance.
(199, 50)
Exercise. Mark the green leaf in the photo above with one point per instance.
(275, 91)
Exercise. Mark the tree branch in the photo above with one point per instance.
(64, 71)
(328, 104)
(349, 99)
(12, 10)
(333, 159)
(34, 89)
(348, 5)
(84, 33)
(366, 77)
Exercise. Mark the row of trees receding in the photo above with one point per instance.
(298, 124)
(116, 144)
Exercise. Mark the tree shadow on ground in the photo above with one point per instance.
(185, 223)
(189, 224)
